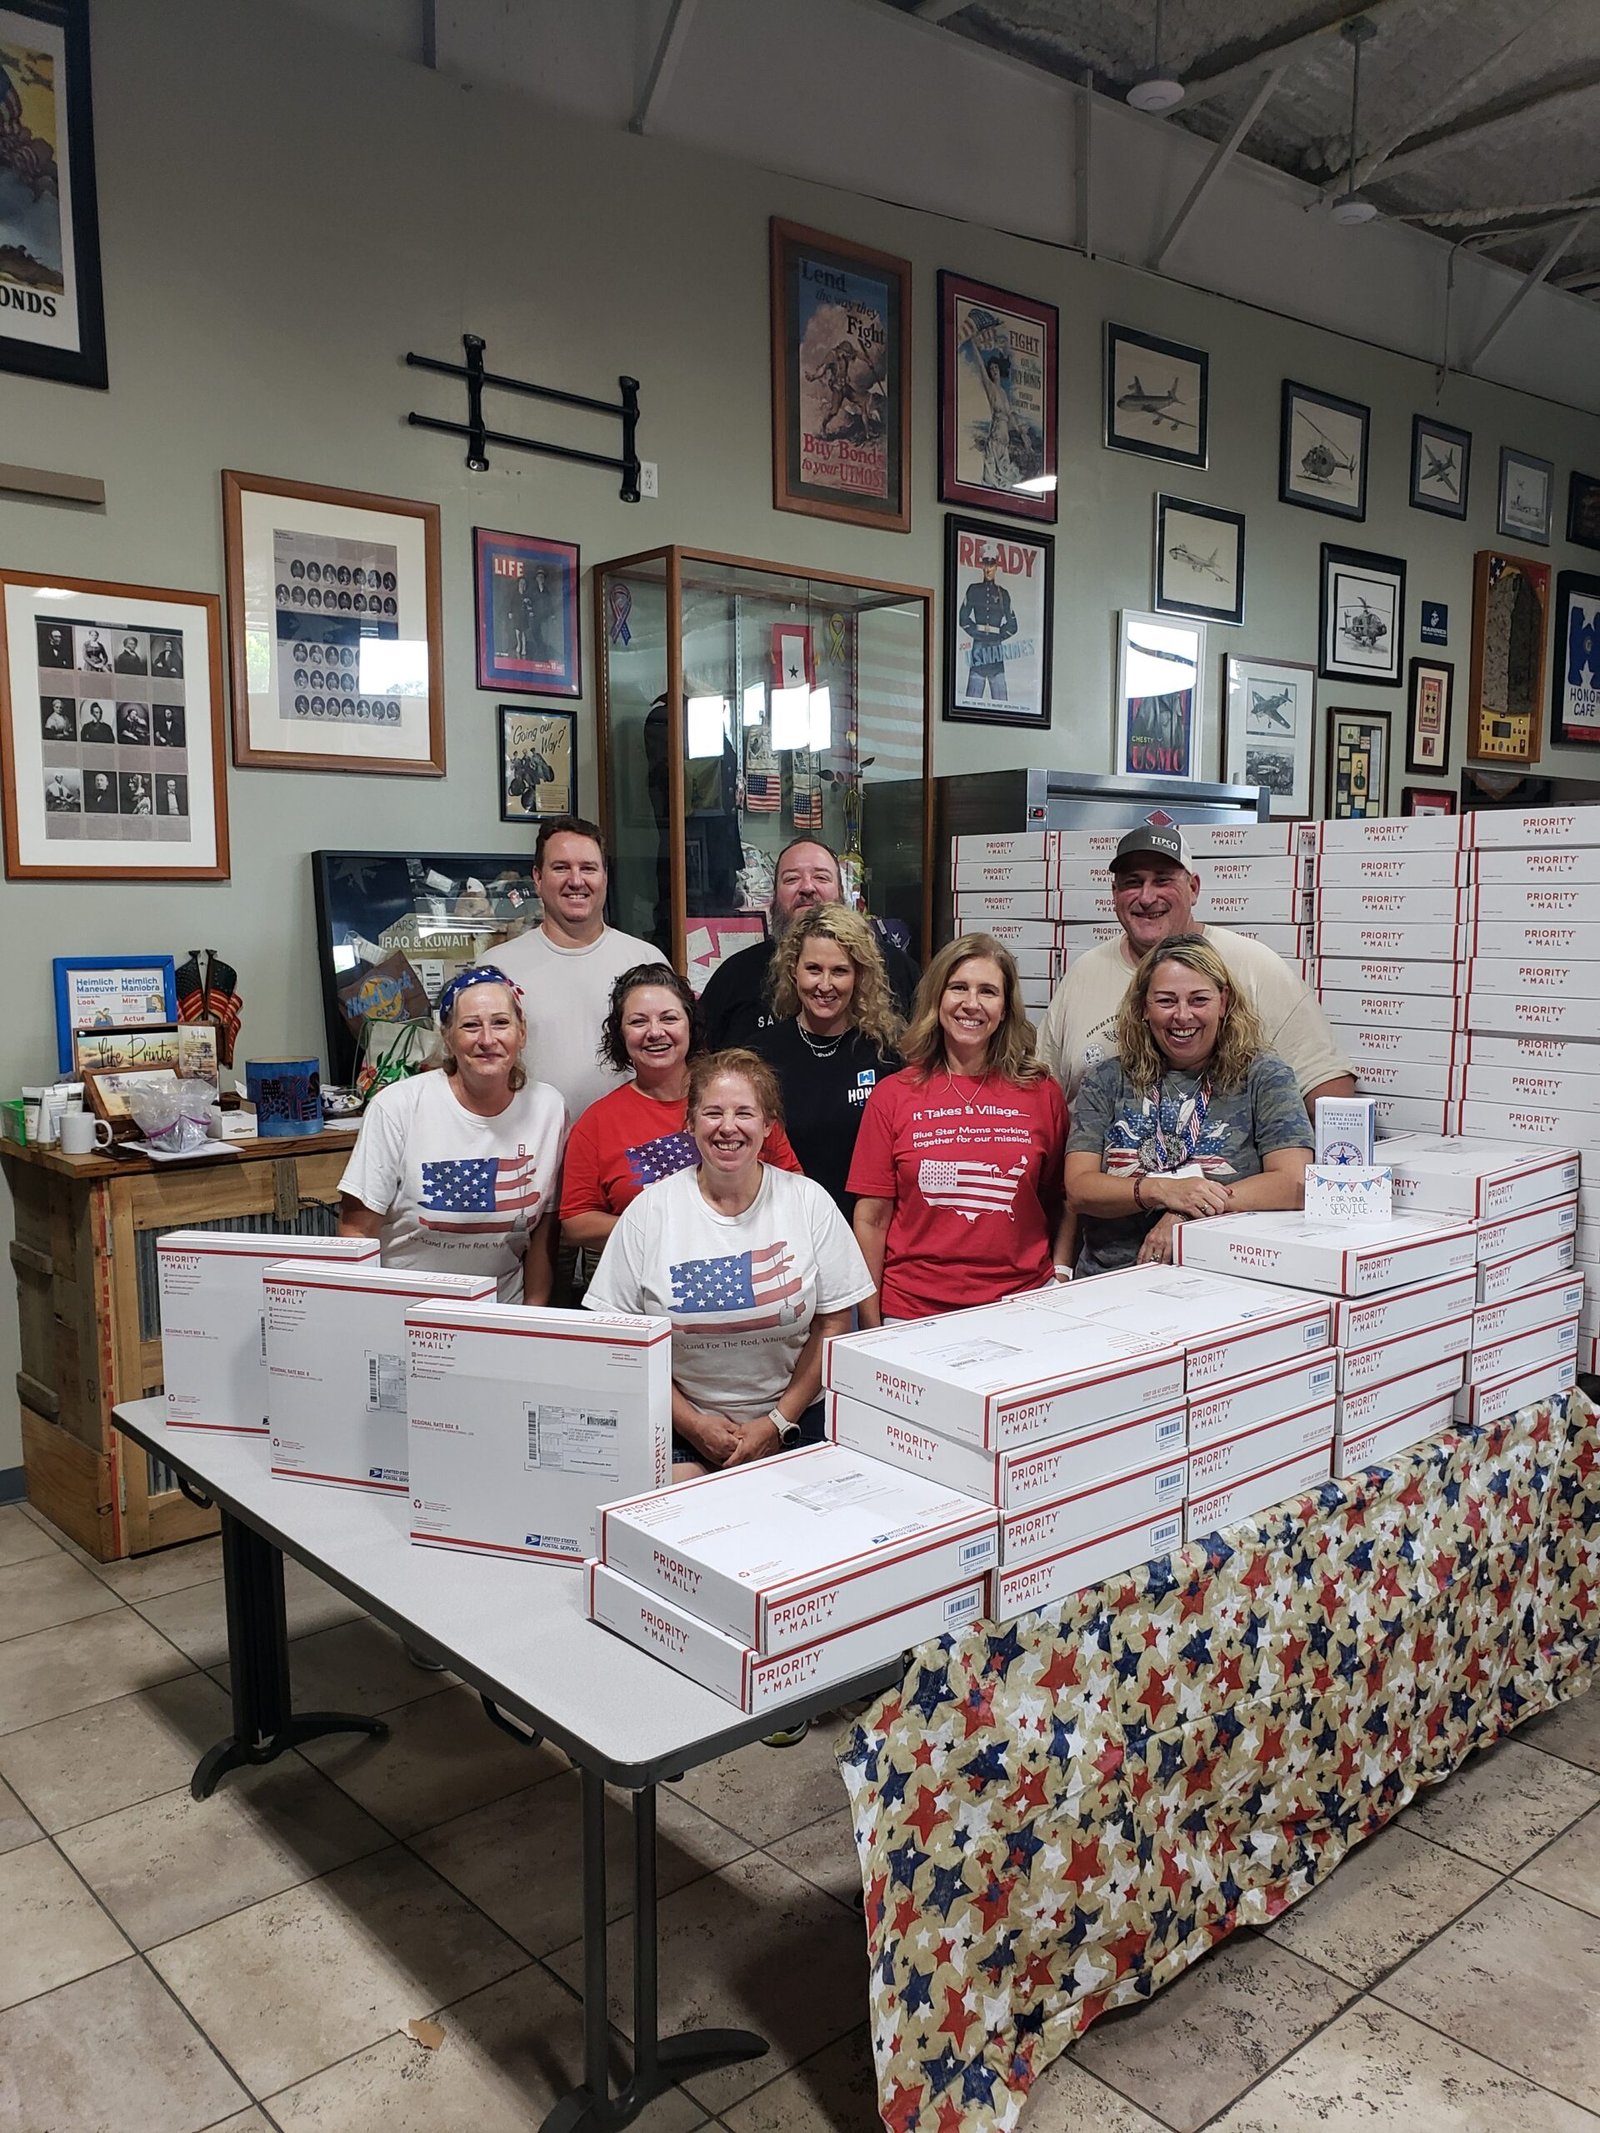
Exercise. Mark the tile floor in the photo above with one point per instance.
(253, 1961)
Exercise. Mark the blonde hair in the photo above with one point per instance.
(443, 1050)
(872, 1008)
(1240, 1040)
(749, 1066)
(1011, 1052)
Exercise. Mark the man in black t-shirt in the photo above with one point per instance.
(735, 1003)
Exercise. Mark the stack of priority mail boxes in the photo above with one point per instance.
(785, 1575)
(1010, 887)
(1390, 905)
(1094, 1415)
(1249, 881)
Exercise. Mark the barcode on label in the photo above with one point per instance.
(572, 1440)
(386, 1383)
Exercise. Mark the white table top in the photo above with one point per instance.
(516, 1631)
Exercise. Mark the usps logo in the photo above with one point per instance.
(479, 1195)
(654, 1160)
(745, 1292)
(970, 1189)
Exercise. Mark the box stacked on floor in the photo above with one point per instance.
(1010, 887)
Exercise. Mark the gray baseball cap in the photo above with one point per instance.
(1155, 840)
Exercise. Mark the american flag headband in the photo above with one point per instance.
(474, 974)
(1189, 1135)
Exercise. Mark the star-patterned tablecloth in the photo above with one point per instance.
(1058, 1816)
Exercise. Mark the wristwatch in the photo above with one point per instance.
(788, 1432)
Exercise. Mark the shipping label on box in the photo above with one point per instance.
(1556, 866)
(1383, 1318)
(1048, 1580)
(1547, 1380)
(1241, 840)
(1545, 1303)
(750, 1679)
(1380, 1012)
(781, 1550)
(1368, 1405)
(1403, 1353)
(1394, 870)
(1349, 1192)
(1535, 1225)
(1226, 1328)
(1500, 1278)
(1361, 973)
(1338, 1258)
(524, 1421)
(1223, 1460)
(1107, 1506)
(1352, 1455)
(1519, 1352)
(1245, 1403)
(1394, 943)
(1537, 1088)
(1408, 906)
(1003, 875)
(336, 1367)
(1247, 1495)
(1560, 828)
(213, 1324)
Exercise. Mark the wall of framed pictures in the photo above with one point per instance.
(275, 348)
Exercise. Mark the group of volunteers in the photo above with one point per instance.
(824, 1139)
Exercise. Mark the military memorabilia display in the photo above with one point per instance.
(52, 323)
(1510, 606)
(538, 763)
(1432, 682)
(1268, 730)
(1156, 397)
(1357, 787)
(111, 732)
(526, 594)
(1441, 460)
(998, 602)
(841, 379)
(1583, 510)
(1199, 560)
(119, 992)
(334, 632)
(1527, 491)
(1575, 673)
(1160, 696)
(1435, 622)
(997, 399)
(1426, 800)
(1322, 452)
(1362, 616)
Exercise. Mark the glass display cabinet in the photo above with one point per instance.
(742, 704)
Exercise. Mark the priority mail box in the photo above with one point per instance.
(1420, 977)
(1048, 1580)
(1032, 1474)
(1239, 908)
(1534, 1015)
(1450, 869)
(1223, 1460)
(1559, 828)
(1400, 941)
(1557, 866)
(1035, 963)
(1289, 941)
(1403, 1353)
(213, 1330)
(1007, 1373)
(1226, 1328)
(1369, 1405)
(975, 907)
(1034, 993)
(1007, 874)
(1541, 1088)
(1519, 1352)
(1541, 903)
(780, 1551)
(1383, 1318)
(1241, 840)
(1095, 847)
(1500, 1278)
(1378, 1011)
(1481, 1404)
(525, 1421)
(1479, 1119)
(1383, 833)
(1008, 846)
(1353, 1454)
(756, 1681)
(1528, 940)
(1545, 1303)
(1244, 1403)
(1534, 1054)
(1535, 977)
(336, 1367)
(1412, 1114)
(1386, 1074)
(1275, 880)
(1104, 1506)
(1247, 1494)
(1015, 933)
(1337, 1258)
(1080, 906)
(1384, 1044)
(1077, 940)
(1535, 1225)
(1398, 906)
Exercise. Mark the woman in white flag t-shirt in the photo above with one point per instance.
(460, 1170)
(754, 1266)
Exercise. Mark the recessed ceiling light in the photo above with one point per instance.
(1352, 208)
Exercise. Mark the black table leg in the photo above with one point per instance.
(264, 1722)
(657, 2061)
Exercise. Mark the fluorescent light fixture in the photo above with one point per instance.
(707, 725)
(791, 717)
(821, 720)
(755, 703)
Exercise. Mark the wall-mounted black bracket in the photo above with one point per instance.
(479, 437)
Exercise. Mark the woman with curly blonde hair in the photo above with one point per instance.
(832, 1038)
(957, 1169)
(1193, 1117)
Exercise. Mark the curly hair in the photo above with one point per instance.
(1240, 1040)
(1011, 1052)
(442, 1053)
(872, 1008)
(611, 1047)
(750, 1067)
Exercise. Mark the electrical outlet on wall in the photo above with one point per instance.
(649, 482)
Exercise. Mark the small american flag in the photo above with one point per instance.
(747, 1290)
(654, 1160)
(479, 1195)
(761, 791)
(970, 1189)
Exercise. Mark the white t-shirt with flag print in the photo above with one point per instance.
(741, 1290)
(458, 1193)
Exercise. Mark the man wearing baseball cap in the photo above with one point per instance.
(1153, 890)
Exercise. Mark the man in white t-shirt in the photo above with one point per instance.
(1153, 888)
(566, 969)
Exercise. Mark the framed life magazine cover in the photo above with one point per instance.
(526, 601)
(997, 399)
(52, 322)
(111, 750)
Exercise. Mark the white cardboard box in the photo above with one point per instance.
(1553, 865)
(1412, 1114)
(1289, 941)
(1519, 1352)
(1495, 939)
(1410, 905)
(1009, 845)
(752, 1680)
(1034, 964)
(1546, 1302)
(1451, 869)
(1077, 940)
(976, 909)
(1480, 1404)
(1500, 1278)
(1337, 1258)
(1476, 1180)
(1538, 1088)
(1378, 1011)
(1399, 942)
(1223, 1460)
(1369, 1405)
(1015, 933)
(997, 875)
(1226, 1328)
(1511, 1234)
(1374, 1447)
(1406, 1080)
(1533, 1015)
(1034, 993)
(1049, 1580)
(1382, 1318)
(1383, 1044)
(1535, 977)
(1245, 1403)
(1542, 903)
(1105, 1506)
(1346, 1129)
(1275, 878)
(1403, 1353)
(1558, 827)
(1242, 840)
(1534, 1054)
(213, 1328)
(781, 1550)
(1384, 833)
(1034, 1473)
(1416, 976)
(336, 1367)
(1085, 907)
(1478, 1119)
(1247, 1494)
(524, 1421)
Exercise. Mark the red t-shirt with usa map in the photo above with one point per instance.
(973, 1166)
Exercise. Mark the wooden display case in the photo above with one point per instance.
(89, 1311)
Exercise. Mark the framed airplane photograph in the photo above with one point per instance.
(1157, 397)
(1441, 459)
(1199, 561)
(1362, 617)
(1268, 729)
(1322, 452)
(1527, 489)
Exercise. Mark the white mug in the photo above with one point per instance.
(82, 1133)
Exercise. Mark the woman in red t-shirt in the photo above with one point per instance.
(957, 1169)
(638, 1134)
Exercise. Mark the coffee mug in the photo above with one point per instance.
(82, 1133)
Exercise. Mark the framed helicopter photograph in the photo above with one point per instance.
(1199, 561)
(1362, 616)
(1441, 458)
(1322, 452)
(1157, 397)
